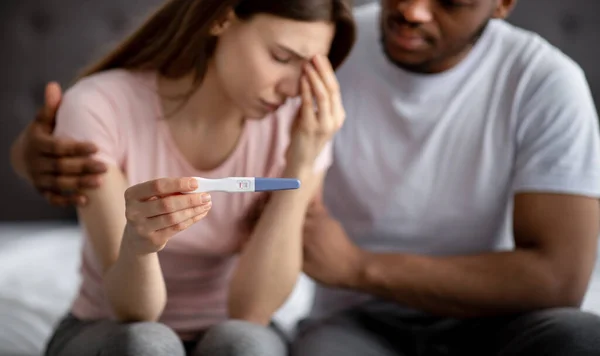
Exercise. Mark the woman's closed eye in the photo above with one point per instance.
(282, 58)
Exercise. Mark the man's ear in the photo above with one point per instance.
(503, 8)
(223, 24)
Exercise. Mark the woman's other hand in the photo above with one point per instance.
(315, 126)
(157, 210)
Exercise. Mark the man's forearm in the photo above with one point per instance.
(135, 286)
(486, 284)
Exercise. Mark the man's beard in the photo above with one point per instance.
(426, 67)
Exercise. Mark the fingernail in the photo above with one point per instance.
(193, 184)
(206, 198)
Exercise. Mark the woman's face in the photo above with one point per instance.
(259, 62)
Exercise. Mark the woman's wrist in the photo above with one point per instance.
(306, 176)
(298, 171)
(131, 244)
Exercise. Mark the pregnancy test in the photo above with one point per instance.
(245, 184)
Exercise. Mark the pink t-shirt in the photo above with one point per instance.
(120, 112)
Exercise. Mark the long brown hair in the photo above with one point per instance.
(176, 39)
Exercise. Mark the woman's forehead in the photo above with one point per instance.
(307, 38)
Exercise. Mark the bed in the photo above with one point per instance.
(39, 277)
(38, 262)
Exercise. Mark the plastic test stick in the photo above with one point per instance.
(245, 184)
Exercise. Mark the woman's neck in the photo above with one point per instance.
(207, 106)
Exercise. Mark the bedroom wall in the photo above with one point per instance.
(53, 39)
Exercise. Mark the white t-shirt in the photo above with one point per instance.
(429, 164)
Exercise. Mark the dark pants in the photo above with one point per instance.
(379, 329)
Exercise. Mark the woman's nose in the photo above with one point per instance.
(289, 86)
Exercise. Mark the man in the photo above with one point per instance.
(461, 214)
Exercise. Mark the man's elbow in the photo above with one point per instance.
(567, 291)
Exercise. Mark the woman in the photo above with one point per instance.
(208, 88)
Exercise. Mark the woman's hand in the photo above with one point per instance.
(315, 126)
(157, 210)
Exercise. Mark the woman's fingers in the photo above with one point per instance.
(174, 229)
(160, 187)
(176, 220)
(308, 109)
(320, 93)
(156, 210)
(173, 203)
(329, 78)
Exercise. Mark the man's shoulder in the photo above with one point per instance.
(531, 57)
(366, 12)
(367, 41)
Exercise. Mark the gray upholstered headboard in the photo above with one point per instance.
(53, 39)
(44, 41)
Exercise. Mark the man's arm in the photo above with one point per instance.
(557, 151)
(57, 168)
(556, 244)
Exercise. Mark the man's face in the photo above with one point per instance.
(430, 36)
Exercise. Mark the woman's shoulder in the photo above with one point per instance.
(106, 106)
(114, 86)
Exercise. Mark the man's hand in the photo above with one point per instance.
(58, 168)
(329, 256)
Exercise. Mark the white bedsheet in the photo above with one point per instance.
(39, 277)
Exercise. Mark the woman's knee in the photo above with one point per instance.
(143, 338)
(241, 338)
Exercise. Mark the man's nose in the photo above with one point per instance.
(415, 11)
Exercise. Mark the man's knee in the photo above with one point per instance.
(240, 338)
(145, 338)
(341, 335)
(563, 332)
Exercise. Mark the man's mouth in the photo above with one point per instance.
(405, 37)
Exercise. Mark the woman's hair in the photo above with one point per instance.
(176, 39)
